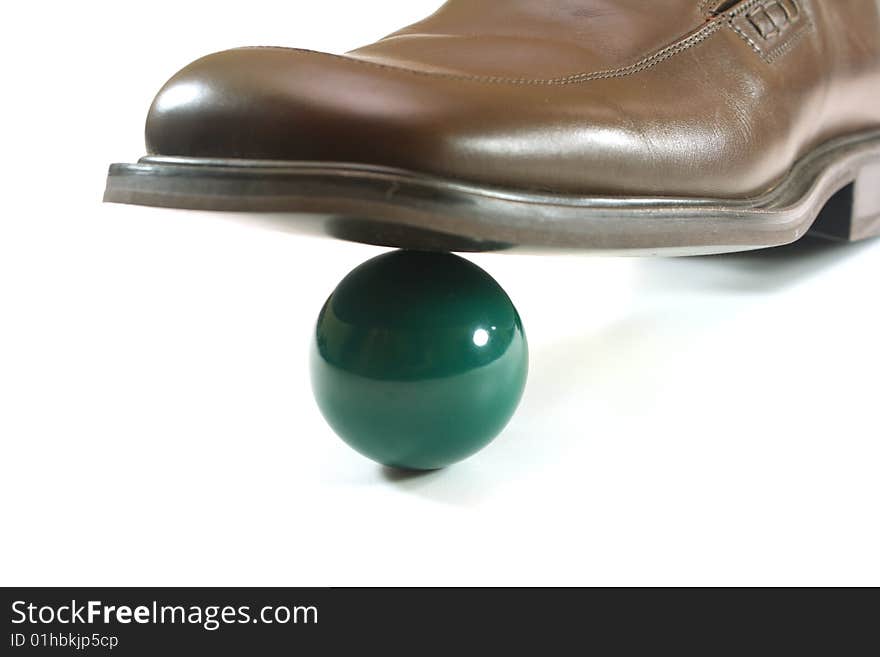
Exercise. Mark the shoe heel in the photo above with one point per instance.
(854, 212)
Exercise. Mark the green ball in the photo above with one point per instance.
(419, 359)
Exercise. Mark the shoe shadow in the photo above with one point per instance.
(677, 302)
(622, 367)
(762, 271)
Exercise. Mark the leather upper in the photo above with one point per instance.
(591, 97)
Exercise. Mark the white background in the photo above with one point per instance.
(694, 421)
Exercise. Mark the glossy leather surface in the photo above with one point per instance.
(589, 97)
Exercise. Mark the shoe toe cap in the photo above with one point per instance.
(276, 103)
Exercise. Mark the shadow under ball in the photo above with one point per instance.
(419, 359)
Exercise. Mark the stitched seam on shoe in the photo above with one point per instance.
(786, 47)
(749, 40)
(645, 63)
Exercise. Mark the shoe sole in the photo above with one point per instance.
(833, 192)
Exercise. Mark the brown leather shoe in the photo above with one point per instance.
(676, 126)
